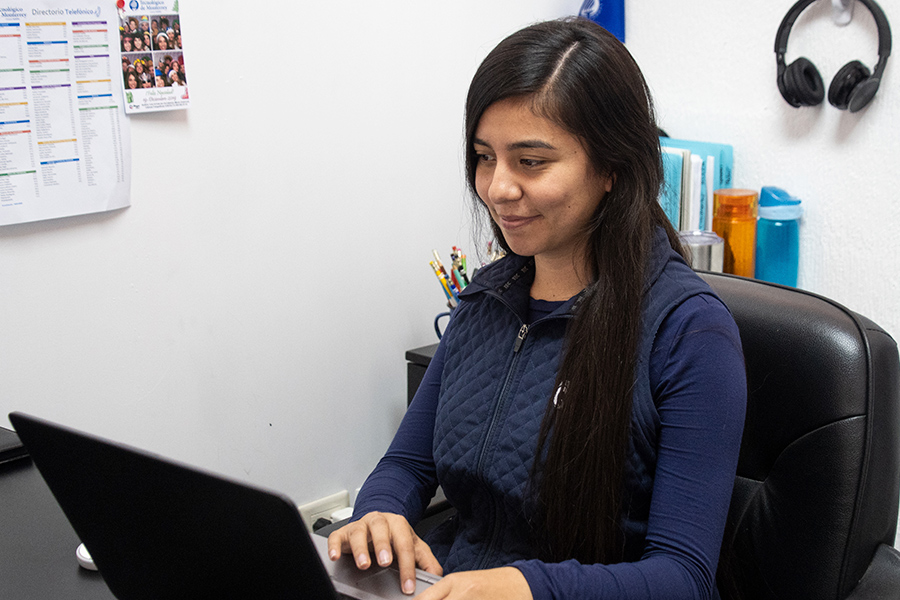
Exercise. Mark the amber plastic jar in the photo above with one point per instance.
(734, 220)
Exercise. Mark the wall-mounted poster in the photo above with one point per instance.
(64, 138)
(154, 76)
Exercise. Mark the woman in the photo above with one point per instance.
(583, 412)
(179, 68)
(141, 68)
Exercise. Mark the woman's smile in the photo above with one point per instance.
(510, 222)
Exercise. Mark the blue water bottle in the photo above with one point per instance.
(778, 236)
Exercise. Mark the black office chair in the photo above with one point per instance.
(814, 509)
(815, 502)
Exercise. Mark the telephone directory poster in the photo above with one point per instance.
(64, 137)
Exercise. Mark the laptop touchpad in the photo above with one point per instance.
(386, 584)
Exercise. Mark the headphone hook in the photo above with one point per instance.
(842, 11)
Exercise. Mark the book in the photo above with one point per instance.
(692, 205)
(676, 168)
(716, 173)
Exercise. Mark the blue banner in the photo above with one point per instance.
(608, 13)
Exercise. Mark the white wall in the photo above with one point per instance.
(250, 311)
(712, 71)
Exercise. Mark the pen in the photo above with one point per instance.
(441, 279)
(453, 287)
(448, 288)
(459, 268)
(458, 279)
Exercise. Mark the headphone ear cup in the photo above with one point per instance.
(801, 84)
(853, 87)
(845, 83)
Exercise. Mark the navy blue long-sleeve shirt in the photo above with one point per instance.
(699, 388)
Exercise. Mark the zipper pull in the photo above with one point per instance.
(520, 339)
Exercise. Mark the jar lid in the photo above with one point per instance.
(735, 203)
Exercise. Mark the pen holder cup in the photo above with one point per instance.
(437, 324)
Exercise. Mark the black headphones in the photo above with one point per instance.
(853, 86)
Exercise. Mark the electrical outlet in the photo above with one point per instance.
(312, 511)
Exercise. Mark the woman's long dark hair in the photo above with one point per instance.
(579, 76)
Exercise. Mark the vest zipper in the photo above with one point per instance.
(495, 529)
(520, 339)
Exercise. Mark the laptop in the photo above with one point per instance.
(159, 529)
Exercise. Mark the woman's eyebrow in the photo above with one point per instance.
(524, 144)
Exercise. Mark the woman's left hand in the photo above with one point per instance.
(505, 583)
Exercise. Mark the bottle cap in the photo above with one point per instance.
(734, 204)
(775, 204)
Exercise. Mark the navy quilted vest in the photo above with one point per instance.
(498, 376)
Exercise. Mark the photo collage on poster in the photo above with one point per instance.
(151, 51)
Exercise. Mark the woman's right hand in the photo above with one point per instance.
(391, 536)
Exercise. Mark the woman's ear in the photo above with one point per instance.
(610, 180)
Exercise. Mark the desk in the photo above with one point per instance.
(37, 544)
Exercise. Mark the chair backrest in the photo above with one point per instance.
(818, 479)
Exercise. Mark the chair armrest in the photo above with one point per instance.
(435, 514)
(882, 578)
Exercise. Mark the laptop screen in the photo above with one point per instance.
(160, 529)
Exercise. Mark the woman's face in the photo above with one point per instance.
(162, 43)
(537, 182)
(138, 43)
(160, 82)
(132, 81)
(126, 44)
